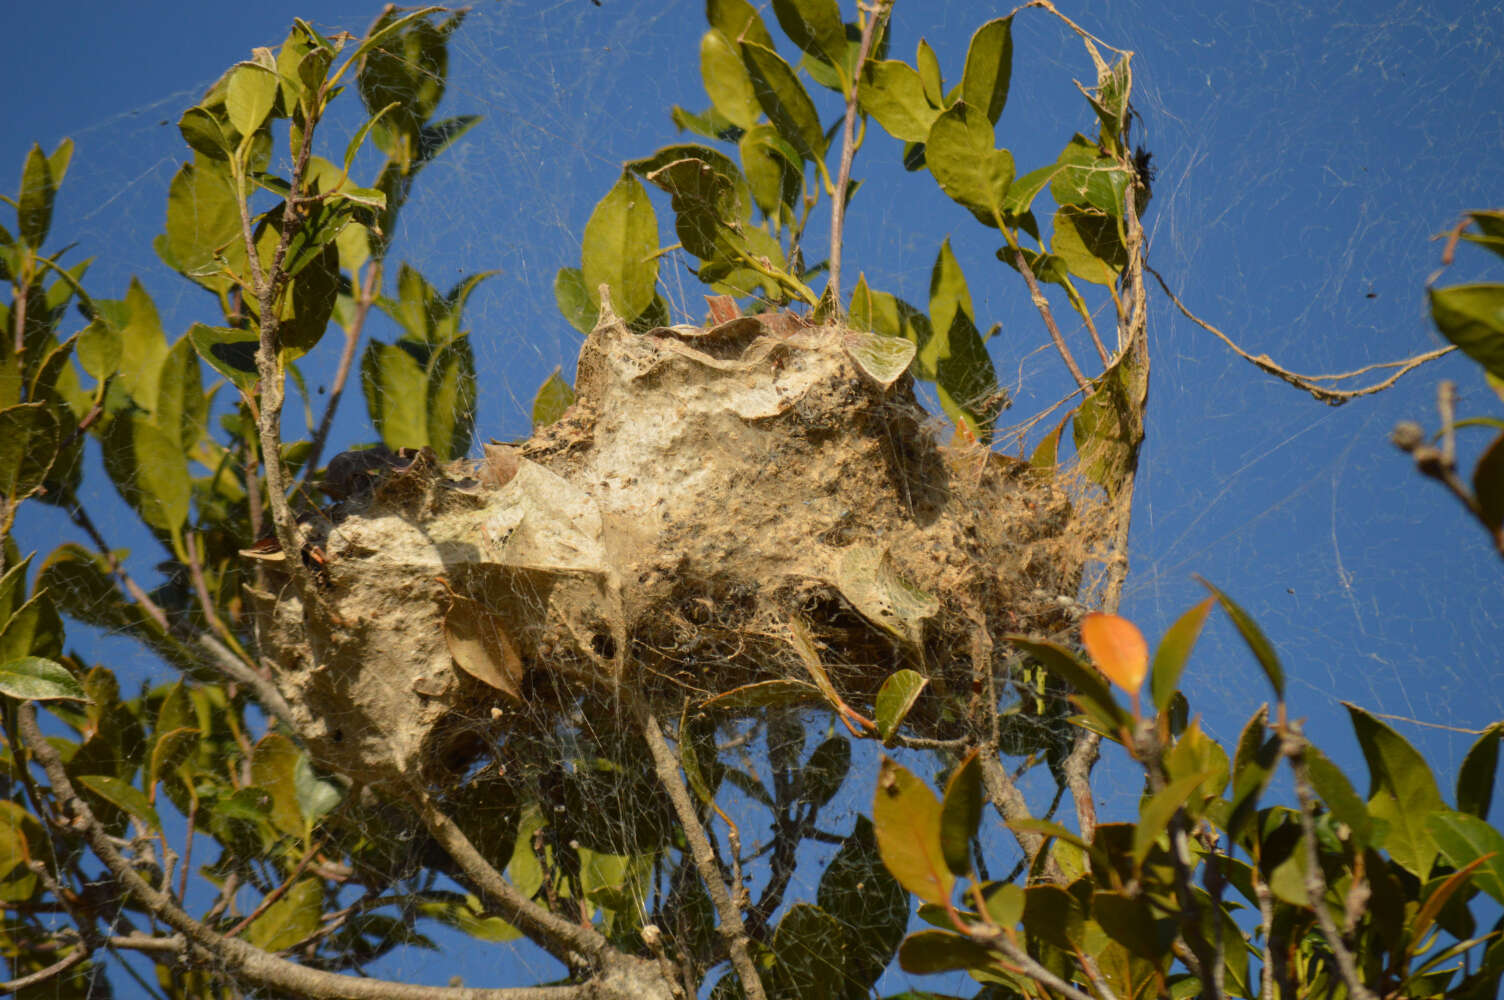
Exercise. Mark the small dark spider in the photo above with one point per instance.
(1143, 167)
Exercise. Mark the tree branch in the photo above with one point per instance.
(879, 14)
(1311, 383)
(240, 959)
(731, 928)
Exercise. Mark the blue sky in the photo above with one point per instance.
(1306, 154)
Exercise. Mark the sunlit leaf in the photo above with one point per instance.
(618, 250)
(1174, 651)
(1472, 317)
(1402, 792)
(250, 94)
(960, 152)
(1463, 839)
(906, 819)
(201, 131)
(35, 678)
(784, 100)
(894, 700)
(726, 80)
(989, 66)
(34, 203)
(290, 919)
(869, 579)
(893, 93)
(1117, 648)
(553, 397)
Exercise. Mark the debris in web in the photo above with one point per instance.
(712, 493)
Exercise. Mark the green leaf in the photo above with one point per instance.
(961, 154)
(451, 399)
(34, 203)
(170, 750)
(29, 441)
(1173, 652)
(619, 250)
(1253, 766)
(953, 353)
(201, 131)
(989, 65)
(906, 819)
(99, 349)
(203, 223)
(1402, 792)
(726, 80)
(123, 796)
(1087, 241)
(961, 814)
(1475, 779)
(784, 100)
(149, 470)
(737, 210)
(231, 352)
(396, 393)
(182, 408)
(894, 700)
(291, 918)
(932, 951)
(1157, 811)
(249, 96)
(1337, 792)
(1472, 317)
(774, 172)
(893, 93)
(553, 397)
(1488, 484)
(706, 211)
(1464, 839)
(815, 26)
(35, 678)
(882, 359)
(572, 299)
(1253, 638)
(738, 21)
(1092, 692)
(1196, 753)
(1087, 178)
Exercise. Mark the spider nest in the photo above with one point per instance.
(720, 508)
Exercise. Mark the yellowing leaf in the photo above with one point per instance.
(1117, 648)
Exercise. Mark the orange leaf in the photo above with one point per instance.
(1118, 649)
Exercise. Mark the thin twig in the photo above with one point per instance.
(42, 975)
(732, 930)
(1311, 383)
(879, 14)
(1001, 941)
(1293, 746)
(240, 959)
(1043, 305)
(368, 288)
